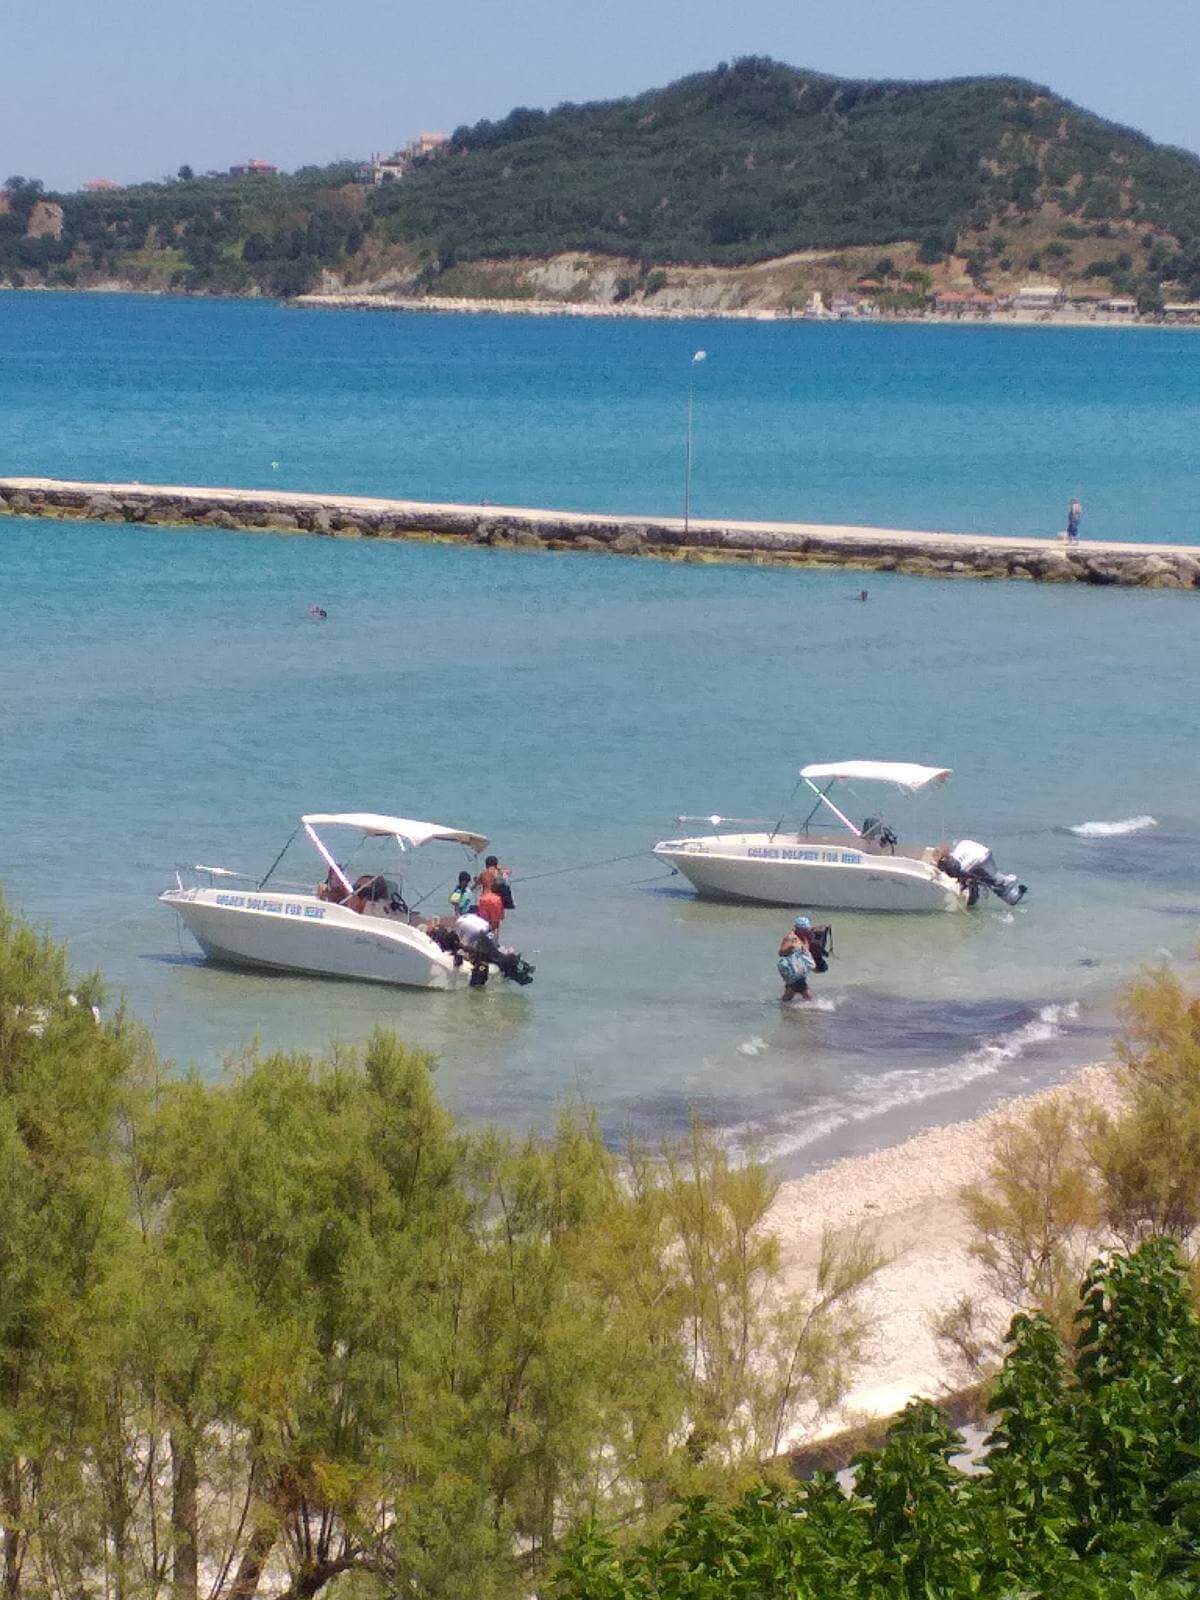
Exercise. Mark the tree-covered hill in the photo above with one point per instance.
(220, 235)
(759, 159)
(741, 165)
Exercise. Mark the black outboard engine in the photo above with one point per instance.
(483, 952)
(973, 866)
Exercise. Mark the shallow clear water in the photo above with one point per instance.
(164, 698)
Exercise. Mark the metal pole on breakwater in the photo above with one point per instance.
(700, 355)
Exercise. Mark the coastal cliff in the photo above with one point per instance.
(954, 555)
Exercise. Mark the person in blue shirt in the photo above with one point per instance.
(461, 897)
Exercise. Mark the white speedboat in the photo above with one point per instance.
(343, 928)
(854, 869)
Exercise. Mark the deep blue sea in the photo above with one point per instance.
(164, 697)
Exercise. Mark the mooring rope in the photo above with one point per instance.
(581, 866)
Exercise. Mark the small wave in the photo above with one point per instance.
(890, 1091)
(752, 1047)
(802, 1008)
(1112, 830)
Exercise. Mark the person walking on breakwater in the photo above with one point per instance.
(1074, 515)
(796, 961)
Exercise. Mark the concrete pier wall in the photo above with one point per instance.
(1158, 566)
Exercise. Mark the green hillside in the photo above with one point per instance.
(744, 164)
(758, 159)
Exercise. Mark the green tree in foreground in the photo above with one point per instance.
(294, 1327)
(1089, 1489)
(64, 1082)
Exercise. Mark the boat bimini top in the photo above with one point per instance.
(906, 775)
(408, 834)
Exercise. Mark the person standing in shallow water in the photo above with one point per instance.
(1074, 517)
(796, 961)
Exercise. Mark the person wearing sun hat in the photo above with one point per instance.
(796, 960)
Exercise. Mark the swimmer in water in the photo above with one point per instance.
(317, 613)
(863, 594)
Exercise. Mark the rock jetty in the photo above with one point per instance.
(954, 555)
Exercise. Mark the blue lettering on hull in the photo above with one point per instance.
(247, 902)
(844, 858)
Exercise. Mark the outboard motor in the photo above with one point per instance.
(972, 864)
(483, 952)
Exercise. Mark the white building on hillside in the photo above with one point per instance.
(1037, 297)
(390, 169)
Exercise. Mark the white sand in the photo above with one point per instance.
(908, 1198)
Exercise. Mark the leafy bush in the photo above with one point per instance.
(1088, 1490)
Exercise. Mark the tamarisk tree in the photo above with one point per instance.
(294, 1328)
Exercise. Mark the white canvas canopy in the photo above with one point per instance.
(409, 832)
(904, 774)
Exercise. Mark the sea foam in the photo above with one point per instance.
(874, 1096)
(1111, 830)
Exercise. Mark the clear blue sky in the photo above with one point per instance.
(130, 89)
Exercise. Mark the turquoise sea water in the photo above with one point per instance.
(164, 698)
(966, 428)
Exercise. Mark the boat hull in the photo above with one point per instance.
(299, 933)
(801, 872)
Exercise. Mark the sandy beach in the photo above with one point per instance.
(908, 1198)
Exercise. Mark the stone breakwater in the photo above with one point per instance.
(1152, 566)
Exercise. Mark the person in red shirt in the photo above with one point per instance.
(492, 907)
(492, 870)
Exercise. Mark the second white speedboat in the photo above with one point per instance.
(857, 869)
(341, 928)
